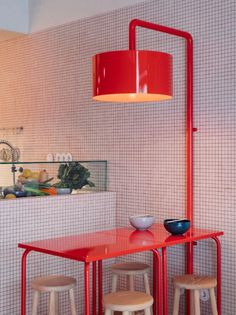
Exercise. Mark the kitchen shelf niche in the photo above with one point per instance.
(14, 174)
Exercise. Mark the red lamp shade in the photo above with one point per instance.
(132, 76)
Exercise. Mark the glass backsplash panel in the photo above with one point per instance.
(38, 178)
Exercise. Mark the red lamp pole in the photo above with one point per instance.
(189, 118)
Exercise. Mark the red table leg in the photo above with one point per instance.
(189, 270)
(100, 287)
(154, 284)
(218, 248)
(87, 289)
(94, 288)
(157, 292)
(23, 282)
(165, 284)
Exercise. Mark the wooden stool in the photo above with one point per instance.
(195, 283)
(54, 285)
(130, 270)
(127, 302)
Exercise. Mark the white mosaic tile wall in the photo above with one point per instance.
(37, 218)
(46, 86)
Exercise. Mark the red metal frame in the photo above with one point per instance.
(157, 288)
(100, 287)
(23, 281)
(165, 283)
(218, 250)
(189, 119)
(87, 289)
(94, 287)
(154, 278)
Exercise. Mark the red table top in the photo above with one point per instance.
(116, 242)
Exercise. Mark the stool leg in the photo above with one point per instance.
(114, 283)
(192, 302)
(147, 287)
(131, 283)
(108, 312)
(196, 302)
(72, 302)
(35, 303)
(53, 307)
(213, 302)
(176, 301)
(146, 283)
(57, 303)
(147, 311)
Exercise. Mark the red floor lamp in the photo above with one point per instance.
(140, 75)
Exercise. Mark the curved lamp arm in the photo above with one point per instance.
(189, 97)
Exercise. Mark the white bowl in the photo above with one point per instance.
(142, 222)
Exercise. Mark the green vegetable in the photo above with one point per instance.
(34, 184)
(35, 192)
(73, 175)
(33, 188)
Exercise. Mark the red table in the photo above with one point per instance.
(95, 247)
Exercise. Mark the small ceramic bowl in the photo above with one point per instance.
(142, 222)
(177, 227)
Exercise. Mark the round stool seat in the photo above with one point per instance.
(194, 282)
(130, 268)
(53, 283)
(127, 301)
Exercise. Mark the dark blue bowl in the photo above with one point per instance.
(177, 228)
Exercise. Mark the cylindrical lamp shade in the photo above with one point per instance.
(132, 76)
